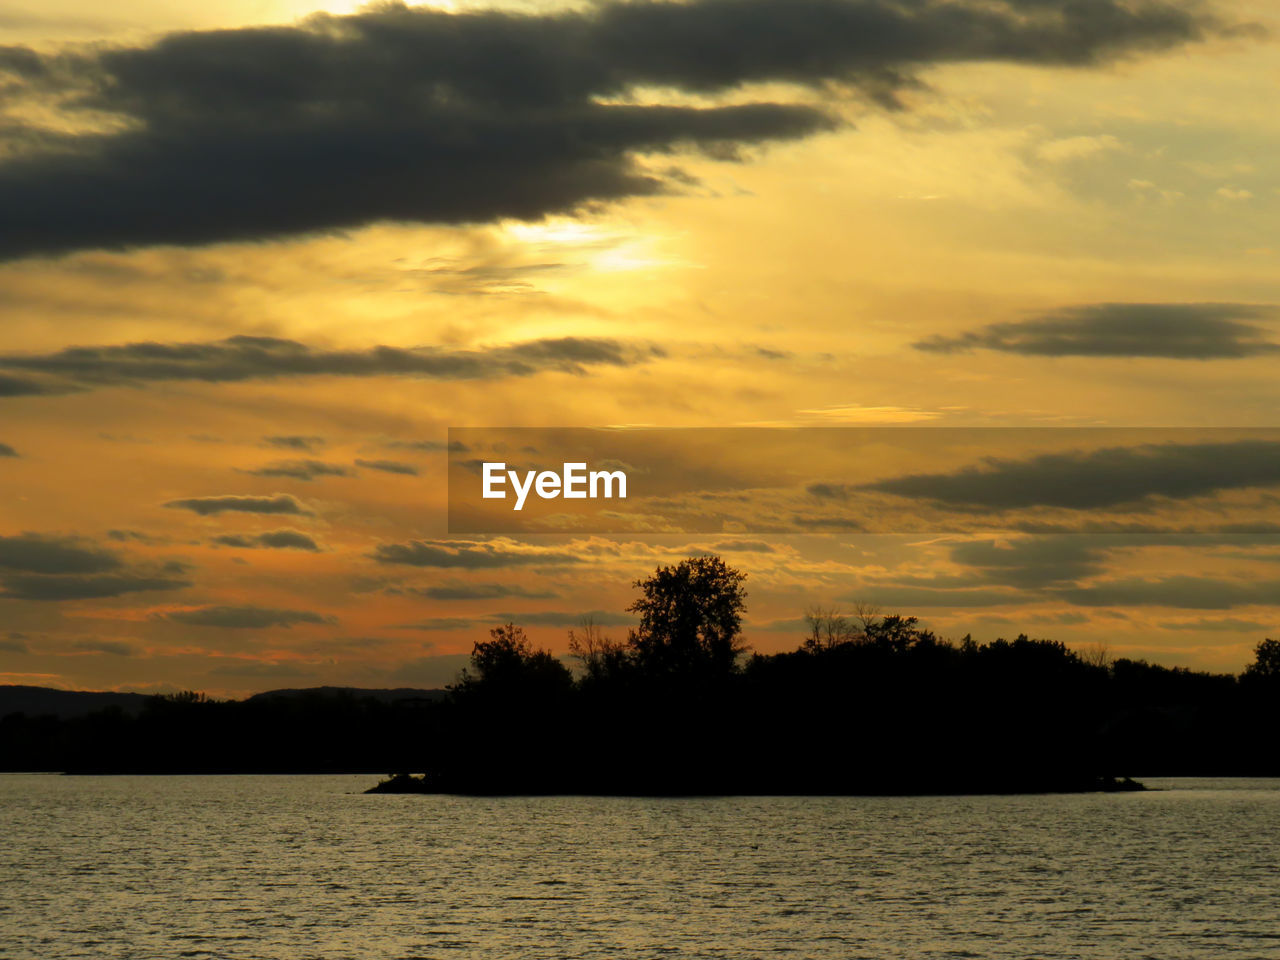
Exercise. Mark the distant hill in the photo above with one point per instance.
(386, 696)
(69, 704)
(65, 704)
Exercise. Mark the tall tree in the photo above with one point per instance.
(690, 618)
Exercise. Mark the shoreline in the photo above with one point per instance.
(408, 784)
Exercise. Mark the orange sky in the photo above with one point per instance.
(279, 265)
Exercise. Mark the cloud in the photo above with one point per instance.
(467, 554)
(14, 643)
(455, 446)
(770, 354)
(243, 667)
(743, 546)
(1185, 592)
(796, 625)
(114, 648)
(207, 506)
(7, 451)
(1032, 562)
(300, 470)
(1180, 331)
(389, 466)
(1075, 148)
(480, 591)
(829, 491)
(241, 358)
(415, 114)
(245, 617)
(32, 586)
(21, 387)
(40, 567)
(1229, 624)
(294, 442)
(40, 554)
(273, 539)
(1066, 619)
(564, 618)
(895, 597)
(1098, 478)
(137, 536)
(440, 623)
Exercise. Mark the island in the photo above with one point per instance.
(865, 704)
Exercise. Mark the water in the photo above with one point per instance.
(304, 867)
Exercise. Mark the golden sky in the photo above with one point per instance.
(256, 258)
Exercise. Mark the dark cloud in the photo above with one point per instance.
(796, 625)
(32, 586)
(465, 554)
(389, 466)
(480, 591)
(7, 451)
(455, 446)
(808, 521)
(207, 506)
(564, 618)
(1184, 592)
(1229, 624)
(892, 597)
(39, 567)
(301, 470)
(440, 623)
(1056, 562)
(1183, 331)
(22, 387)
(1032, 562)
(245, 617)
(113, 647)
(272, 539)
(244, 667)
(420, 115)
(35, 553)
(137, 536)
(1067, 619)
(828, 491)
(1098, 478)
(14, 643)
(743, 546)
(295, 442)
(258, 358)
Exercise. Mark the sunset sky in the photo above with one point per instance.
(256, 258)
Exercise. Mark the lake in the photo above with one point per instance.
(259, 868)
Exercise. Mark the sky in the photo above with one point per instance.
(257, 258)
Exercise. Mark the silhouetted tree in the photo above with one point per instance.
(690, 618)
(828, 628)
(1266, 661)
(508, 659)
(897, 634)
(602, 658)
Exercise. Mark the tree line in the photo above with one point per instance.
(864, 704)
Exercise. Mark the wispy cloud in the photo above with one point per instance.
(1181, 331)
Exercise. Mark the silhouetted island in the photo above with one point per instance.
(868, 704)
(408, 783)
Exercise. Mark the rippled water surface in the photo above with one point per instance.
(306, 867)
